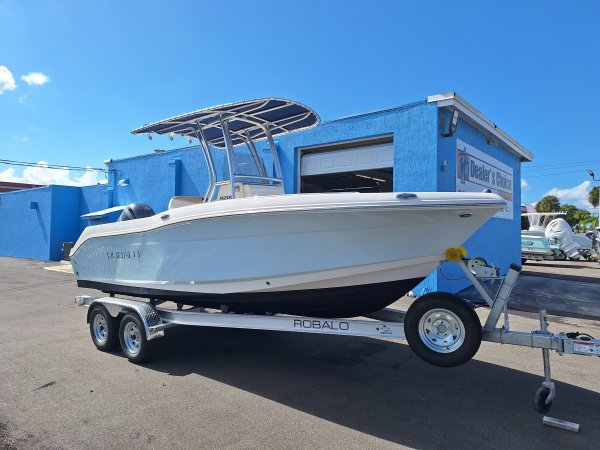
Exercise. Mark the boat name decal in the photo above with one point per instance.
(127, 254)
(321, 324)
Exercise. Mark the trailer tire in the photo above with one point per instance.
(132, 336)
(104, 329)
(443, 329)
(539, 401)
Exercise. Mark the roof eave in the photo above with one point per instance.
(453, 101)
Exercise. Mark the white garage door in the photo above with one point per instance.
(376, 156)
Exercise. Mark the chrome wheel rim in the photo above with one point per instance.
(441, 330)
(100, 328)
(132, 338)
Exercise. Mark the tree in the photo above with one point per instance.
(571, 211)
(593, 196)
(549, 203)
(589, 223)
(582, 217)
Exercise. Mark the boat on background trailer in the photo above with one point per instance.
(245, 246)
(550, 237)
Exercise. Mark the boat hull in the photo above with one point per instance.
(323, 255)
(536, 246)
(346, 301)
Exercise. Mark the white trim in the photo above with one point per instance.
(103, 212)
(453, 101)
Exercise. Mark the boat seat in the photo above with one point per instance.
(185, 200)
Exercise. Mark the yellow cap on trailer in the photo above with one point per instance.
(455, 254)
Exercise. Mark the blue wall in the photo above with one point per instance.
(94, 198)
(64, 218)
(25, 232)
(38, 232)
(154, 179)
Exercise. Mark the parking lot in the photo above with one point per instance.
(223, 388)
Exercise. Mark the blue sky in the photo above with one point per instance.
(531, 67)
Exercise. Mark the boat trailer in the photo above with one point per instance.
(443, 329)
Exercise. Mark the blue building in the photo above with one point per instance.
(440, 144)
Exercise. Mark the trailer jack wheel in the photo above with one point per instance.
(539, 401)
(134, 343)
(442, 329)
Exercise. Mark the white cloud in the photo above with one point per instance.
(35, 78)
(42, 174)
(7, 81)
(577, 195)
(525, 185)
(22, 99)
(88, 178)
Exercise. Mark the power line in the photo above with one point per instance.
(560, 166)
(591, 161)
(50, 166)
(554, 174)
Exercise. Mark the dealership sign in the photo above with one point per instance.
(476, 171)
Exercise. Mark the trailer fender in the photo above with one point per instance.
(146, 312)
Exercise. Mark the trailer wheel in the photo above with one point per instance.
(539, 401)
(132, 336)
(103, 329)
(442, 329)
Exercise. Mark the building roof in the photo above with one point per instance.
(8, 186)
(453, 101)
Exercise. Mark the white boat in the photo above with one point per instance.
(550, 237)
(254, 249)
(535, 245)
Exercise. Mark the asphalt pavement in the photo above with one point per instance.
(566, 288)
(224, 388)
(585, 271)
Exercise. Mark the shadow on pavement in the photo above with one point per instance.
(381, 388)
